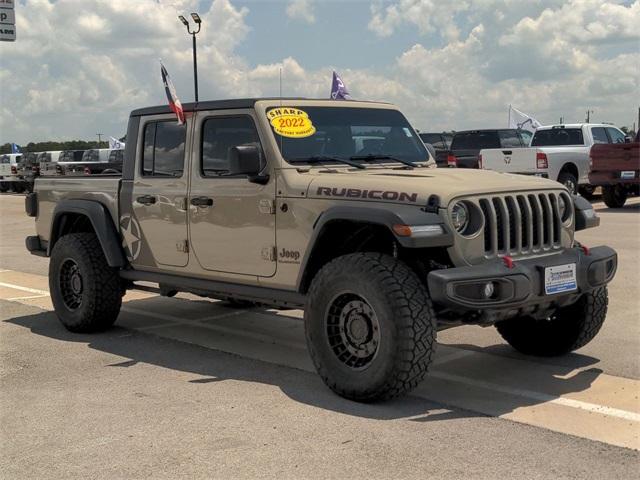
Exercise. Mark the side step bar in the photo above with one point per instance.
(215, 289)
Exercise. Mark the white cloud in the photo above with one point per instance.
(301, 10)
(80, 66)
(428, 15)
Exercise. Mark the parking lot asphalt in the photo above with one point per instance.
(187, 387)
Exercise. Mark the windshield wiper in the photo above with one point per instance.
(328, 158)
(370, 157)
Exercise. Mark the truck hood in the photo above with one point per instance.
(416, 186)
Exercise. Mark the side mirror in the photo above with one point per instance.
(628, 139)
(247, 160)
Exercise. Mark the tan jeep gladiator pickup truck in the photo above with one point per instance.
(329, 206)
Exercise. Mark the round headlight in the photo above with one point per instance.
(565, 208)
(460, 217)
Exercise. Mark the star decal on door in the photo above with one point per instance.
(131, 238)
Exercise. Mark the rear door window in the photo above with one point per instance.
(599, 135)
(616, 135)
(163, 154)
(509, 139)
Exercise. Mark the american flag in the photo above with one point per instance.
(174, 102)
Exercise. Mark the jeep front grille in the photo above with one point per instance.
(521, 223)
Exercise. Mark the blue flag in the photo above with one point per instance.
(339, 89)
(15, 148)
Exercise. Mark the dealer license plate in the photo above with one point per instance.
(627, 175)
(561, 278)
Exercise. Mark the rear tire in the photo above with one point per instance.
(570, 181)
(4, 186)
(614, 196)
(86, 292)
(587, 191)
(370, 327)
(568, 329)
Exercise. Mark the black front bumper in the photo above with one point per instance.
(519, 288)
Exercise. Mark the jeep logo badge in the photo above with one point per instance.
(288, 256)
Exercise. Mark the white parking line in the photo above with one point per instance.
(24, 289)
(540, 397)
(27, 298)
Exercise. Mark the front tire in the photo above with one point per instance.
(370, 327)
(614, 196)
(86, 292)
(568, 329)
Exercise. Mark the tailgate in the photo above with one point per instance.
(511, 160)
(615, 157)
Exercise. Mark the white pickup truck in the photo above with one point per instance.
(9, 178)
(559, 152)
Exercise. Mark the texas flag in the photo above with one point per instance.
(174, 102)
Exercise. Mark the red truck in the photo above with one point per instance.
(616, 168)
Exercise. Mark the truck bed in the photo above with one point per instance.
(51, 190)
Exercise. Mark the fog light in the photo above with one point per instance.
(489, 290)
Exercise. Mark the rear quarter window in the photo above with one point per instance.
(599, 135)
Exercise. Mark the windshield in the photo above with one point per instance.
(557, 137)
(378, 134)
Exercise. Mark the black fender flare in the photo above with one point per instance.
(585, 215)
(102, 223)
(378, 216)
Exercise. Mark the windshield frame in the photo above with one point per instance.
(262, 107)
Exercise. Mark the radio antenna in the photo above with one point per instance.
(281, 139)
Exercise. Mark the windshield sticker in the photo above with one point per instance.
(291, 122)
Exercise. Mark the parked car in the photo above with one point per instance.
(28, 169)
(103, 161)
(268, 201)
(440, 142)
(84, 162)
(466, 146)
(558, 152)
(56, 165)
(616, 168)
(9, 178)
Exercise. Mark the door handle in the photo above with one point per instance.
(202, 202)
(146, 199)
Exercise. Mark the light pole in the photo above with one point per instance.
(198, 21)
(99, 138)
(589, 112)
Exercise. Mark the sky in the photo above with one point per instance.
(79, 66)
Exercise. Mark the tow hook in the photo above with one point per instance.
(508, 261)
(584, 249)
